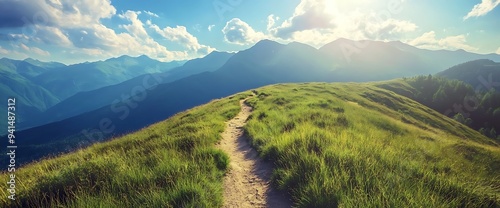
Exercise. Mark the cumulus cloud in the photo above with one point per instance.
(34, 50)
(498, 50)
(482, 8)
(429, 41)
(308, 15)
(66, 13)
(180, 35)
(136, 28)
(239, 32)
(76, 27)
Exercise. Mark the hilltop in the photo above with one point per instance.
(343, 144)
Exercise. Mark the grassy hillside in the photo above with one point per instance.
(477, 109)
(171, 163)
(351, 145)
(356, 145)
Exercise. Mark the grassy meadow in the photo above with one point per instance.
(333, 145)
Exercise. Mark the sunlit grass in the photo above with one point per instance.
(353, 146)
(173, 163)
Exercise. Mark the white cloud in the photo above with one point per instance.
(34, 50)
(74, 14)
(180, 35)
(498, 50)
(308, 15)
(239, 32)
(429, 41)
(76, 27)
(151, 14)
(271, 21)
(210, 27)
(482, 8)
(52, 35)
(318, 22)
(136, 27)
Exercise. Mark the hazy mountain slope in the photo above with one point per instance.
(275, 62)
(28, 68)
(443, 59)
(347, 145)
(91, 100)
(67, 81)
(15, 82)
(46, 65)
(376, 60)
(372, 61)
(210, 62)
(482, 74)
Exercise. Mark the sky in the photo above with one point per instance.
(74, 31)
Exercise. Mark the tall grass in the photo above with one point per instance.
(353, 145)
(170, 164)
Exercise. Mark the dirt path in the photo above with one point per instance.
(247, 183)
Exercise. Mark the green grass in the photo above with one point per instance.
(345, 145)
(173, 163)
(356, 145)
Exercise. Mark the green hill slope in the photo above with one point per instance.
(351, 145)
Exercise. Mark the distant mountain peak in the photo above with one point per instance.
(30, 60)
(144, 57)
(216, 53)
(267, 42)
(36, 62)
(128, 57)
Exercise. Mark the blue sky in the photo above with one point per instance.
(72, 31)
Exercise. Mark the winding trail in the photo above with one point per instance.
(247, 183)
